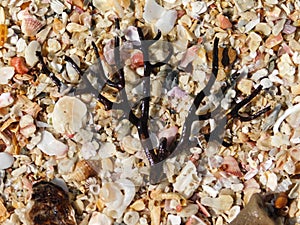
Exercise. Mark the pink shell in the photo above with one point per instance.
(231, 166)
(31, 25)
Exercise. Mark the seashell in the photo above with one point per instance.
(132, 35)
(107, 150)
(224, 22)
(289, 111)
(173, 220)
(6, 161)
(68, 115)
(163, 19)
(85, 169)
(131, 218)
(102, 5)
(187, 181)
(85, 19)
(137, 60)
(98, 218)
(231, 166)
(117, 196)
(6, 73)
(138, 205)
(220, 204)
(19, 64)
(30, 53)
(272, 40)
(43, 34)
(57, 6)
(3, 34)
(5, 99)
(50, 146)
(27, 126)
(74, 27)
(53, 45)
(3, 212)
(255, 212)
(31, 25)
(281, 200)
(46, 196)
(130, 144)
(233, 212)
(263, 28)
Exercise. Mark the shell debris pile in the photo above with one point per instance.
(94, 156)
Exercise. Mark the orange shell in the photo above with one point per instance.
(3, 34)
(281, 201)
(19, 64)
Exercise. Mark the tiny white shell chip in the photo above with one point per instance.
(6, 160)
(30, 53)
(187, 181)
(5, 99)
(173, 220)
(68, 115)
(50, 146)
(6, 73)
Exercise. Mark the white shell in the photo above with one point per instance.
(50, 146)
(117, 196)
(163, 19)
(6, 160)
(107, 150)
(173, 220)
(30, 53)
(131, 218)
(187, 181)
(5, 99)
(220, 204)
(98, 218)
(6, 73)
(68, 115)
(57, 6)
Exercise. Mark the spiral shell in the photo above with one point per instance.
(85, 169)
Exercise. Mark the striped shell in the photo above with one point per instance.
(31, 25)
(19, 64)
(231, 166)
(85, 169)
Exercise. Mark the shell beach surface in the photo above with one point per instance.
(65, 158)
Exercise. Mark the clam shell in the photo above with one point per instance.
(31, 25)
(68, 115)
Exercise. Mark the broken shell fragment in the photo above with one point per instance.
(6, 160)
(231, 166)
(255, 212)
(68, 115)
(30, 53)
(50, 146)
(220, 204)
(6, 73)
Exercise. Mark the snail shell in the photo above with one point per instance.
(85, 169)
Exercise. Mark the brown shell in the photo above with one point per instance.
(281, 201)
(51, 205)
(85, 169)
(3, 34)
